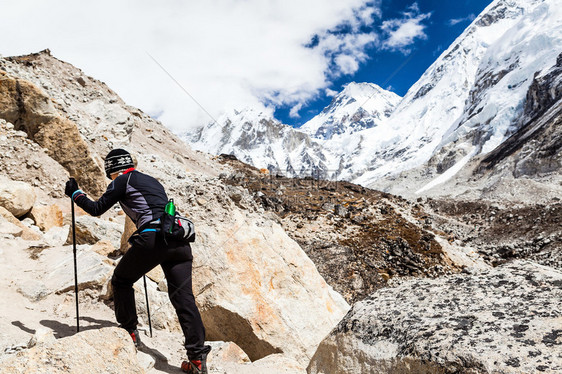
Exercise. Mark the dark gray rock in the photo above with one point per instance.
(503, 320)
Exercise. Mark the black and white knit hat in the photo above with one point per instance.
(118, 160)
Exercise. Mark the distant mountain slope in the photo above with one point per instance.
(465, 105)
(358, 107)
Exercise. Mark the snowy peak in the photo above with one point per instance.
(359, 106)
(260, 140)
(458, 86)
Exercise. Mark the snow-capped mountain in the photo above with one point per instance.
(258, 139)
(466, 104)
(358, 107)
(476, 81)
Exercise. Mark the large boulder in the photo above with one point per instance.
(256, 287)
(31, 110)
(17, 197)
(502, 320)
(162, 313)
(107, 350)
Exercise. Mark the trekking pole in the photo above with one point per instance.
(75, 267)
(147, 306)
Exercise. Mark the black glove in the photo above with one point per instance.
(71, 187)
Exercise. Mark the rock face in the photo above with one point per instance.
(16, 197)
(31, 110)
(107, 350)
(534, 149)
(55, 272)
(504, 320)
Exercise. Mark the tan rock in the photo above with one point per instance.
(27, 234)
(47, 217)
(223, 352)
(64, 144)
(104, 248)
(42, 336)
(163, 314)
(129, 229)
(94, 271)
(107, 350)
(156, 274)
(17, 197)
(272, 364)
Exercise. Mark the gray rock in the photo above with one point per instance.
(503, 320)
(90, 230)
(340, 210)
(58, 273)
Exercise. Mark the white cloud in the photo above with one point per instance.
(402, 32)
(294, 112)
(226, 53)
(455, 21)
(347, 64)
(330, 93)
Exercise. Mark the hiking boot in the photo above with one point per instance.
(136, 337)
(195, 366)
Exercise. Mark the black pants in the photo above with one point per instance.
(149, 250)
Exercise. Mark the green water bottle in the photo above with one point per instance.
(170, 211)
(170, 208)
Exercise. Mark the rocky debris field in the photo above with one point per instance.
(358, 238)
(503, 320)
(503, 232)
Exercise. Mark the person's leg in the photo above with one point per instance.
(138, 260)
(178, 275)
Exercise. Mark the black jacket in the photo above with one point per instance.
(141, 196)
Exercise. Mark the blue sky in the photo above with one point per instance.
(281, 57)
(397, 70)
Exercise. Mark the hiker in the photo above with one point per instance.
(143, 199)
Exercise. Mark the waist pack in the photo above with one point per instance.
(171, 225)
(178, 228)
